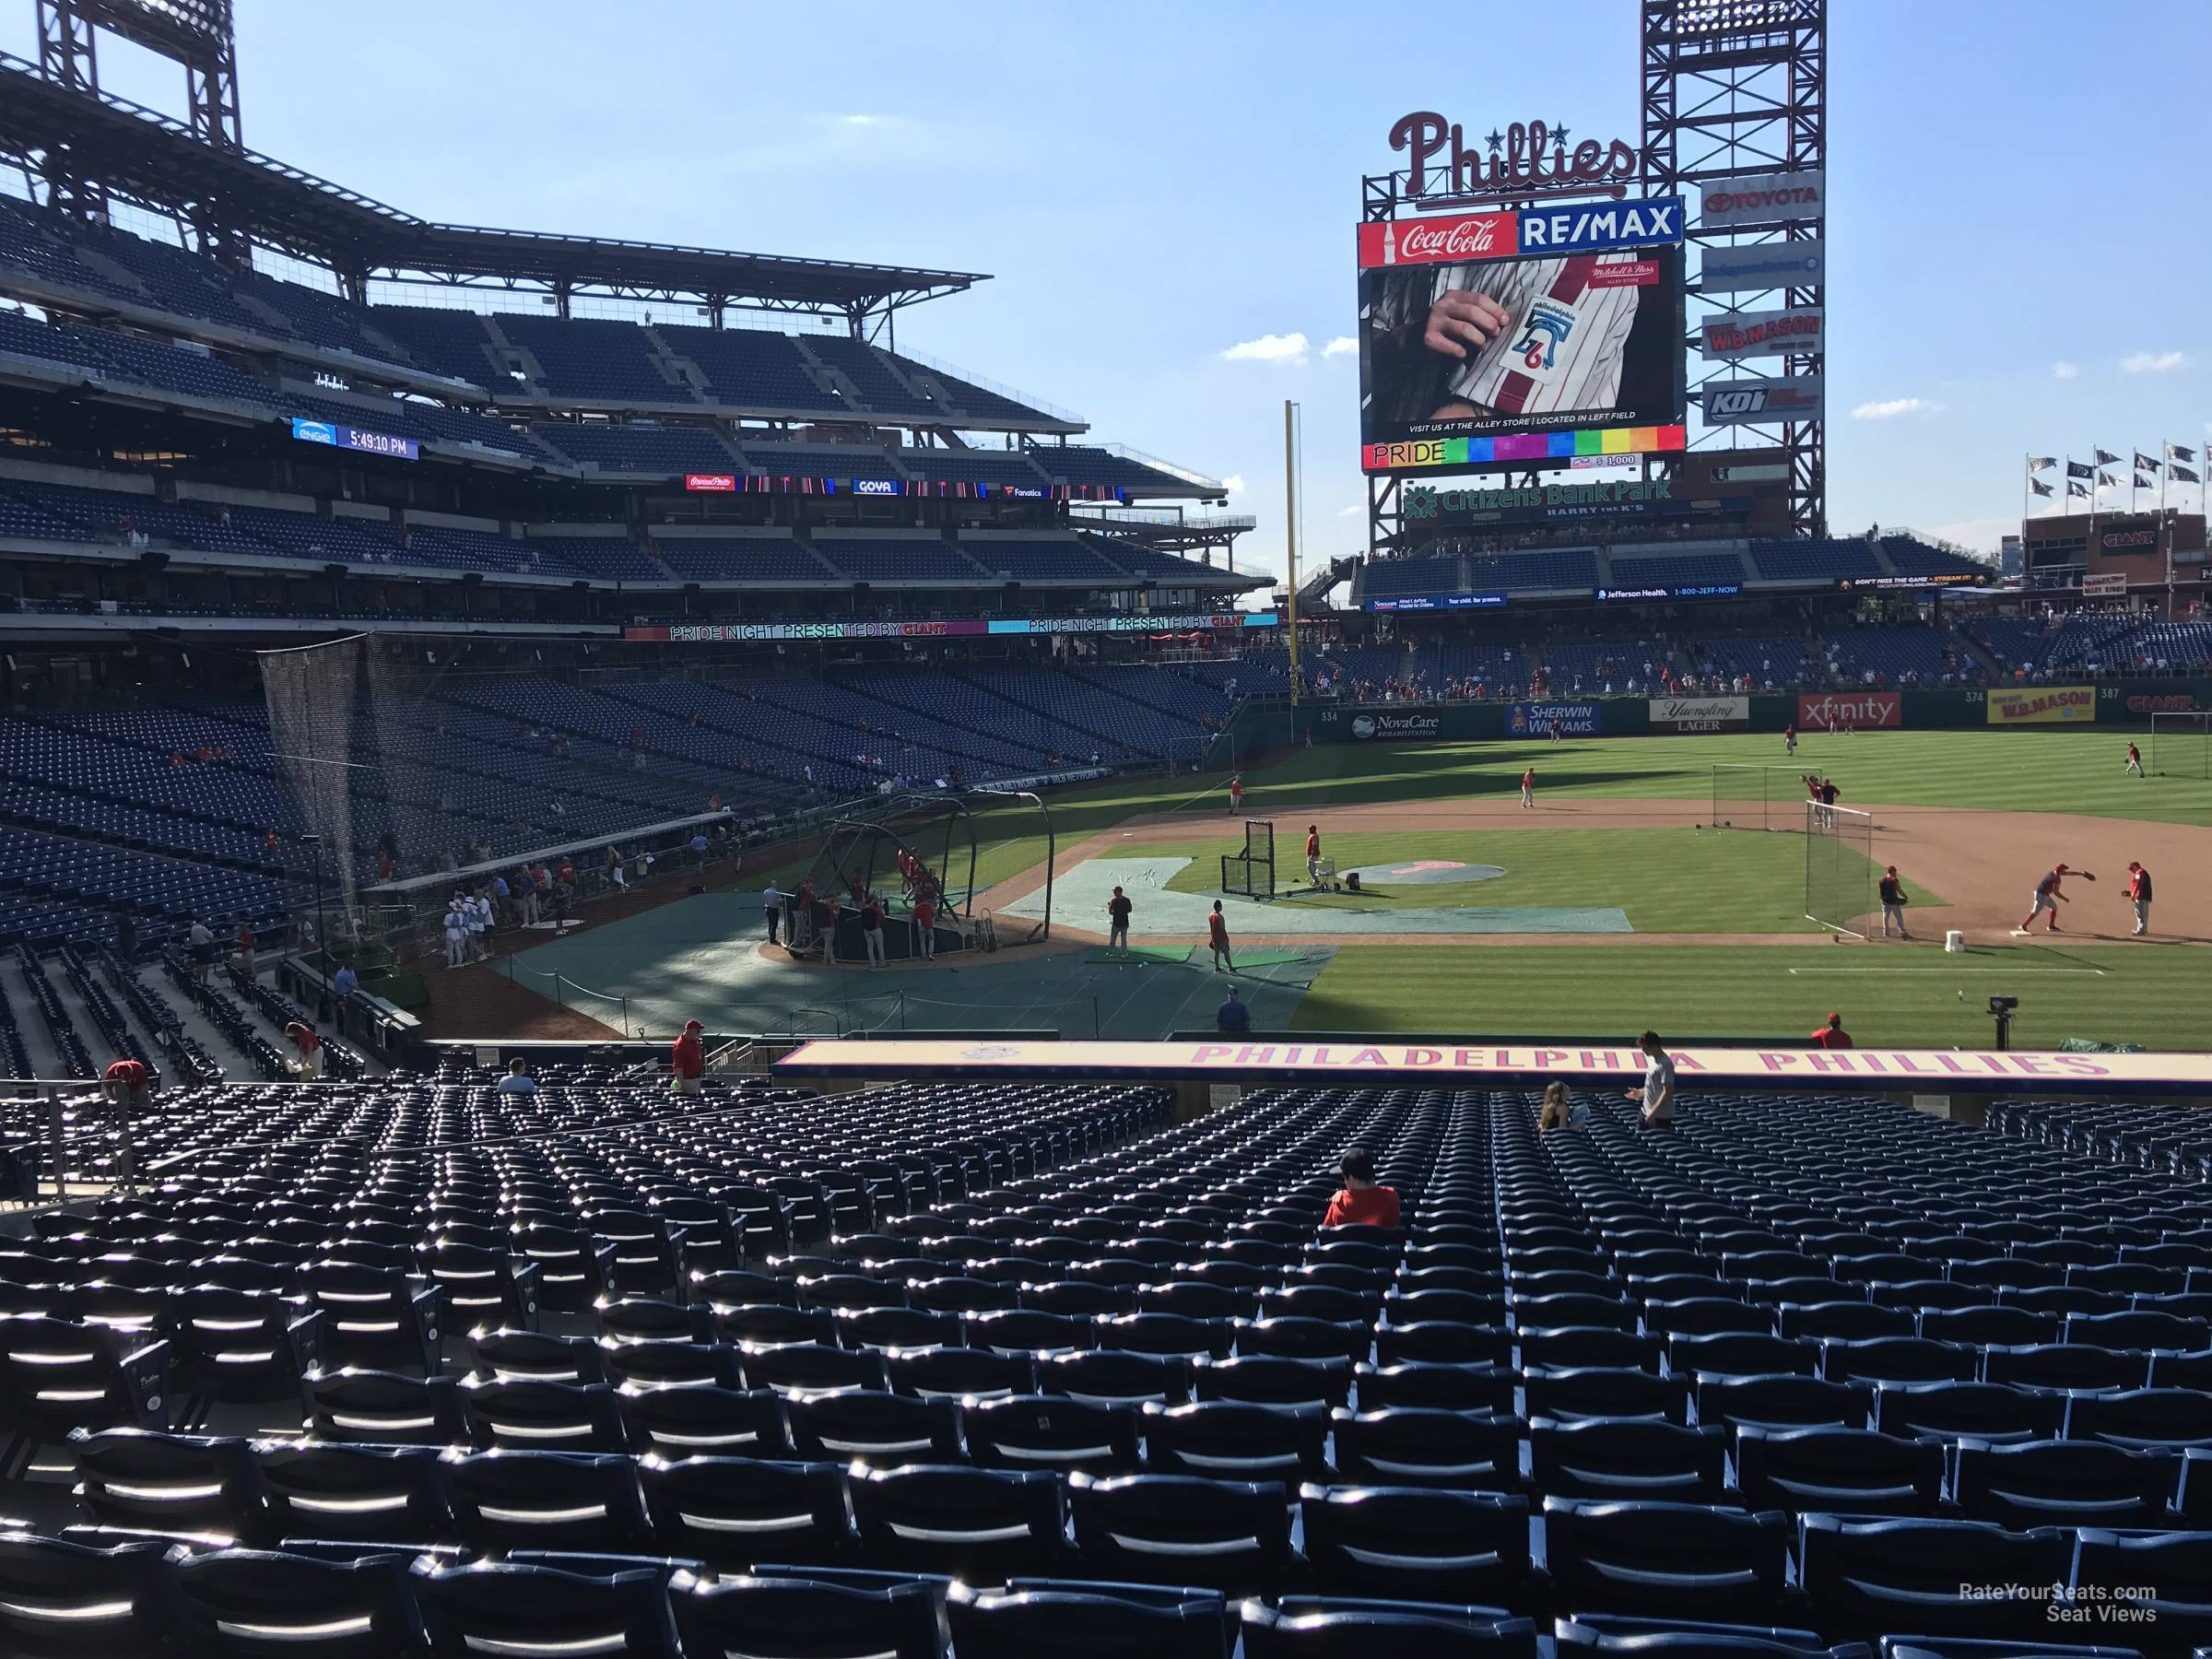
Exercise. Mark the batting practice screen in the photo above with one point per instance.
(1251, 872)
(1838, 868)
(1495, 338)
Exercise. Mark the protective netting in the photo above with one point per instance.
(1839, 867)
(312, 694)
(2180, 745)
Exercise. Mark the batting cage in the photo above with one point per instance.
(2180, 746)
(1838, 868)
(1756, 797)
(912, 849)
(1250, 873)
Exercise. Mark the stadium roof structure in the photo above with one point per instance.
(145, 156)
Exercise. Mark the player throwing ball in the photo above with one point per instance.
(2049, 896)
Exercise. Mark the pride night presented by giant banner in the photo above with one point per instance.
(1447, 1064)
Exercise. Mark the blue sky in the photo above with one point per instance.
(2018, 237)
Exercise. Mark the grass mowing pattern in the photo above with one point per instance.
(1999, 770)
(1667, 880)
(1897, 995)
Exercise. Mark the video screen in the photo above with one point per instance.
(1516, 338)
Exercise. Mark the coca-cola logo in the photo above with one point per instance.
(1522, 160)
(1459, 239)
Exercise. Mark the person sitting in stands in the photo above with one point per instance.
(518, 1081)
(1362, 1202)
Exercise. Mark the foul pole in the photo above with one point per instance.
(1290, 534)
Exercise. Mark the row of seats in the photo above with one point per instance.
(1811, 1361)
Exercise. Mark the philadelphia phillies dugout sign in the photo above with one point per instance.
(1481, 1067)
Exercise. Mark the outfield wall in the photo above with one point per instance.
(2103, 702)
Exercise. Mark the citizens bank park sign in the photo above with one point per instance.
(1431, 1065)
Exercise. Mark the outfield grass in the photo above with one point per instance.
(2150, 993)
(1666, 881)
(2061, 770)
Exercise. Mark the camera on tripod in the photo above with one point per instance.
(2001, 1009)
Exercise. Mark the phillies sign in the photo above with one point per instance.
(1523, 161)
(1851, 711)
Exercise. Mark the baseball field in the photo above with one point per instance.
(1610, 905)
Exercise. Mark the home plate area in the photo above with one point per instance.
(1079, 899)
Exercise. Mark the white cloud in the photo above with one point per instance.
(1339, 345)
(1234, 483)
(2065, 371)
(1891, 407)
(1980, 533)
(864, 120)
(1269, 349)
(2152, 362)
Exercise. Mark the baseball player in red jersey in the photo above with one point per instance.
(1528, 787)
(2135, 760)
(1313, 855)
(2138, 893)
(1530, 335)
(2048, 896)
(1236, 793)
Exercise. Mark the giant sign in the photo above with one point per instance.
(1538, 718)
(2043, 705)
(1782, 264)
(1681, 714)
(1771, 198)
(1496, 337)
(1764, 402)
(1474, 1064)
(1731, 335)
(1850, 710)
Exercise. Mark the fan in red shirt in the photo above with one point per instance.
(1832, 1035)
(688, 1060)
(128, 1083)
(1362, 1202)
(306, 1051)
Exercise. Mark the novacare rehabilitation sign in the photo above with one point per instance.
(1862, 1069)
